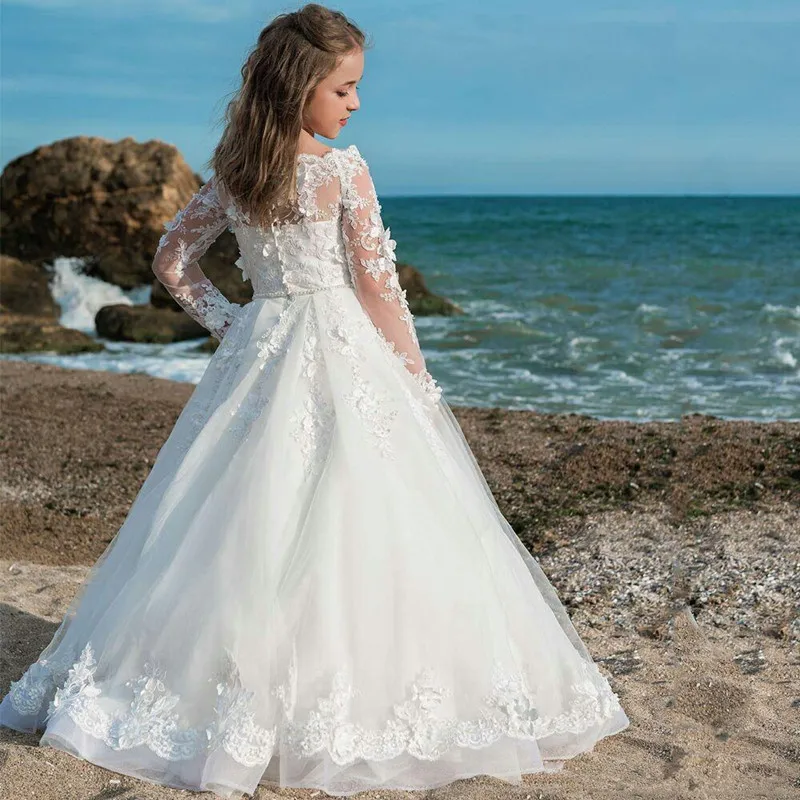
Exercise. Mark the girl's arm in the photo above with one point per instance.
(188, 235)
(371, 260)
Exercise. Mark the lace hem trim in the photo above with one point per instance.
(415, 726)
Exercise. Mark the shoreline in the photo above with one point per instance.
(68, 432)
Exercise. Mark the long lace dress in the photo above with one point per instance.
(314, 586)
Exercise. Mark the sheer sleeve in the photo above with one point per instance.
(371, 261)
(188, 235)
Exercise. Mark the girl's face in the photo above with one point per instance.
(335, 98)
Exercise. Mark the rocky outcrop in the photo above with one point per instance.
(106, 202)
(24, 288)
(93, 198)
(28, 333)
(29, 315)
(121, 322)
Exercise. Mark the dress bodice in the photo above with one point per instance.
(308, 253)
(333, 237)
(292, 258)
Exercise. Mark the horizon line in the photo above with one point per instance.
(655, 195)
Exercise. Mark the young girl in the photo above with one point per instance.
(314, 586)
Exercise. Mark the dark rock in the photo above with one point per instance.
(121, 322)
(751, 661)
(26, 333)
(25, 289)
(421, 300)
(621, 663)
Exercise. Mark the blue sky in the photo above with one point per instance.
(515, 96)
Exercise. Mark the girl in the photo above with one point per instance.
(314, 586)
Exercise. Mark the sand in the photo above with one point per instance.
(684, 587)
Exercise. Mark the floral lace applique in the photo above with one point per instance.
(152, 720)
(312, 425)
(317, 179)
(313, 174)
(273, 344)
(196, 414)
(188, 235)
(235, 728)
(417, 724)
(431, 389)
(199, 413)
(428, 383)
(272, 347)
(374, 406)
(241, 265)
(29, 693)
(149, 720)
(422, 415)
(419, 727)
(346, 338)
(229, 349)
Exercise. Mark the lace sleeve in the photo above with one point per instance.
(371, 261)
(188, 235)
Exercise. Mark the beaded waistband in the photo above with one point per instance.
(285, 293)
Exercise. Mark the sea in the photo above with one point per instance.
(624, 308)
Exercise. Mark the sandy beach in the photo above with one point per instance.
(675, 546)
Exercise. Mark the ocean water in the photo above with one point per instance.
(641, 308)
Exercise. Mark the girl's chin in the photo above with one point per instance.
(330, 133)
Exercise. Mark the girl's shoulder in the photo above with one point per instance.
(343, 162)
(351, 151)
(333, 153)
(349, 159)
(350, 156)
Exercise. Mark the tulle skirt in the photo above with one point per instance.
(314, 587)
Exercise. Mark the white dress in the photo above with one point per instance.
(314, 586)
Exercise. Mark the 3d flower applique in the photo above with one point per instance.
(388, 244)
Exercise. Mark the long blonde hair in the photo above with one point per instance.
(256, 157)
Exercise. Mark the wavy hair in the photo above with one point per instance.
(256, 156)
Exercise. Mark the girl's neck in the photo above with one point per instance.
(307, 143)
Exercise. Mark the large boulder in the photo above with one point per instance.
(93, 198)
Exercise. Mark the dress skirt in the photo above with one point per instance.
(314, 587)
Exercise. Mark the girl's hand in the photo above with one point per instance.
(429, 385)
